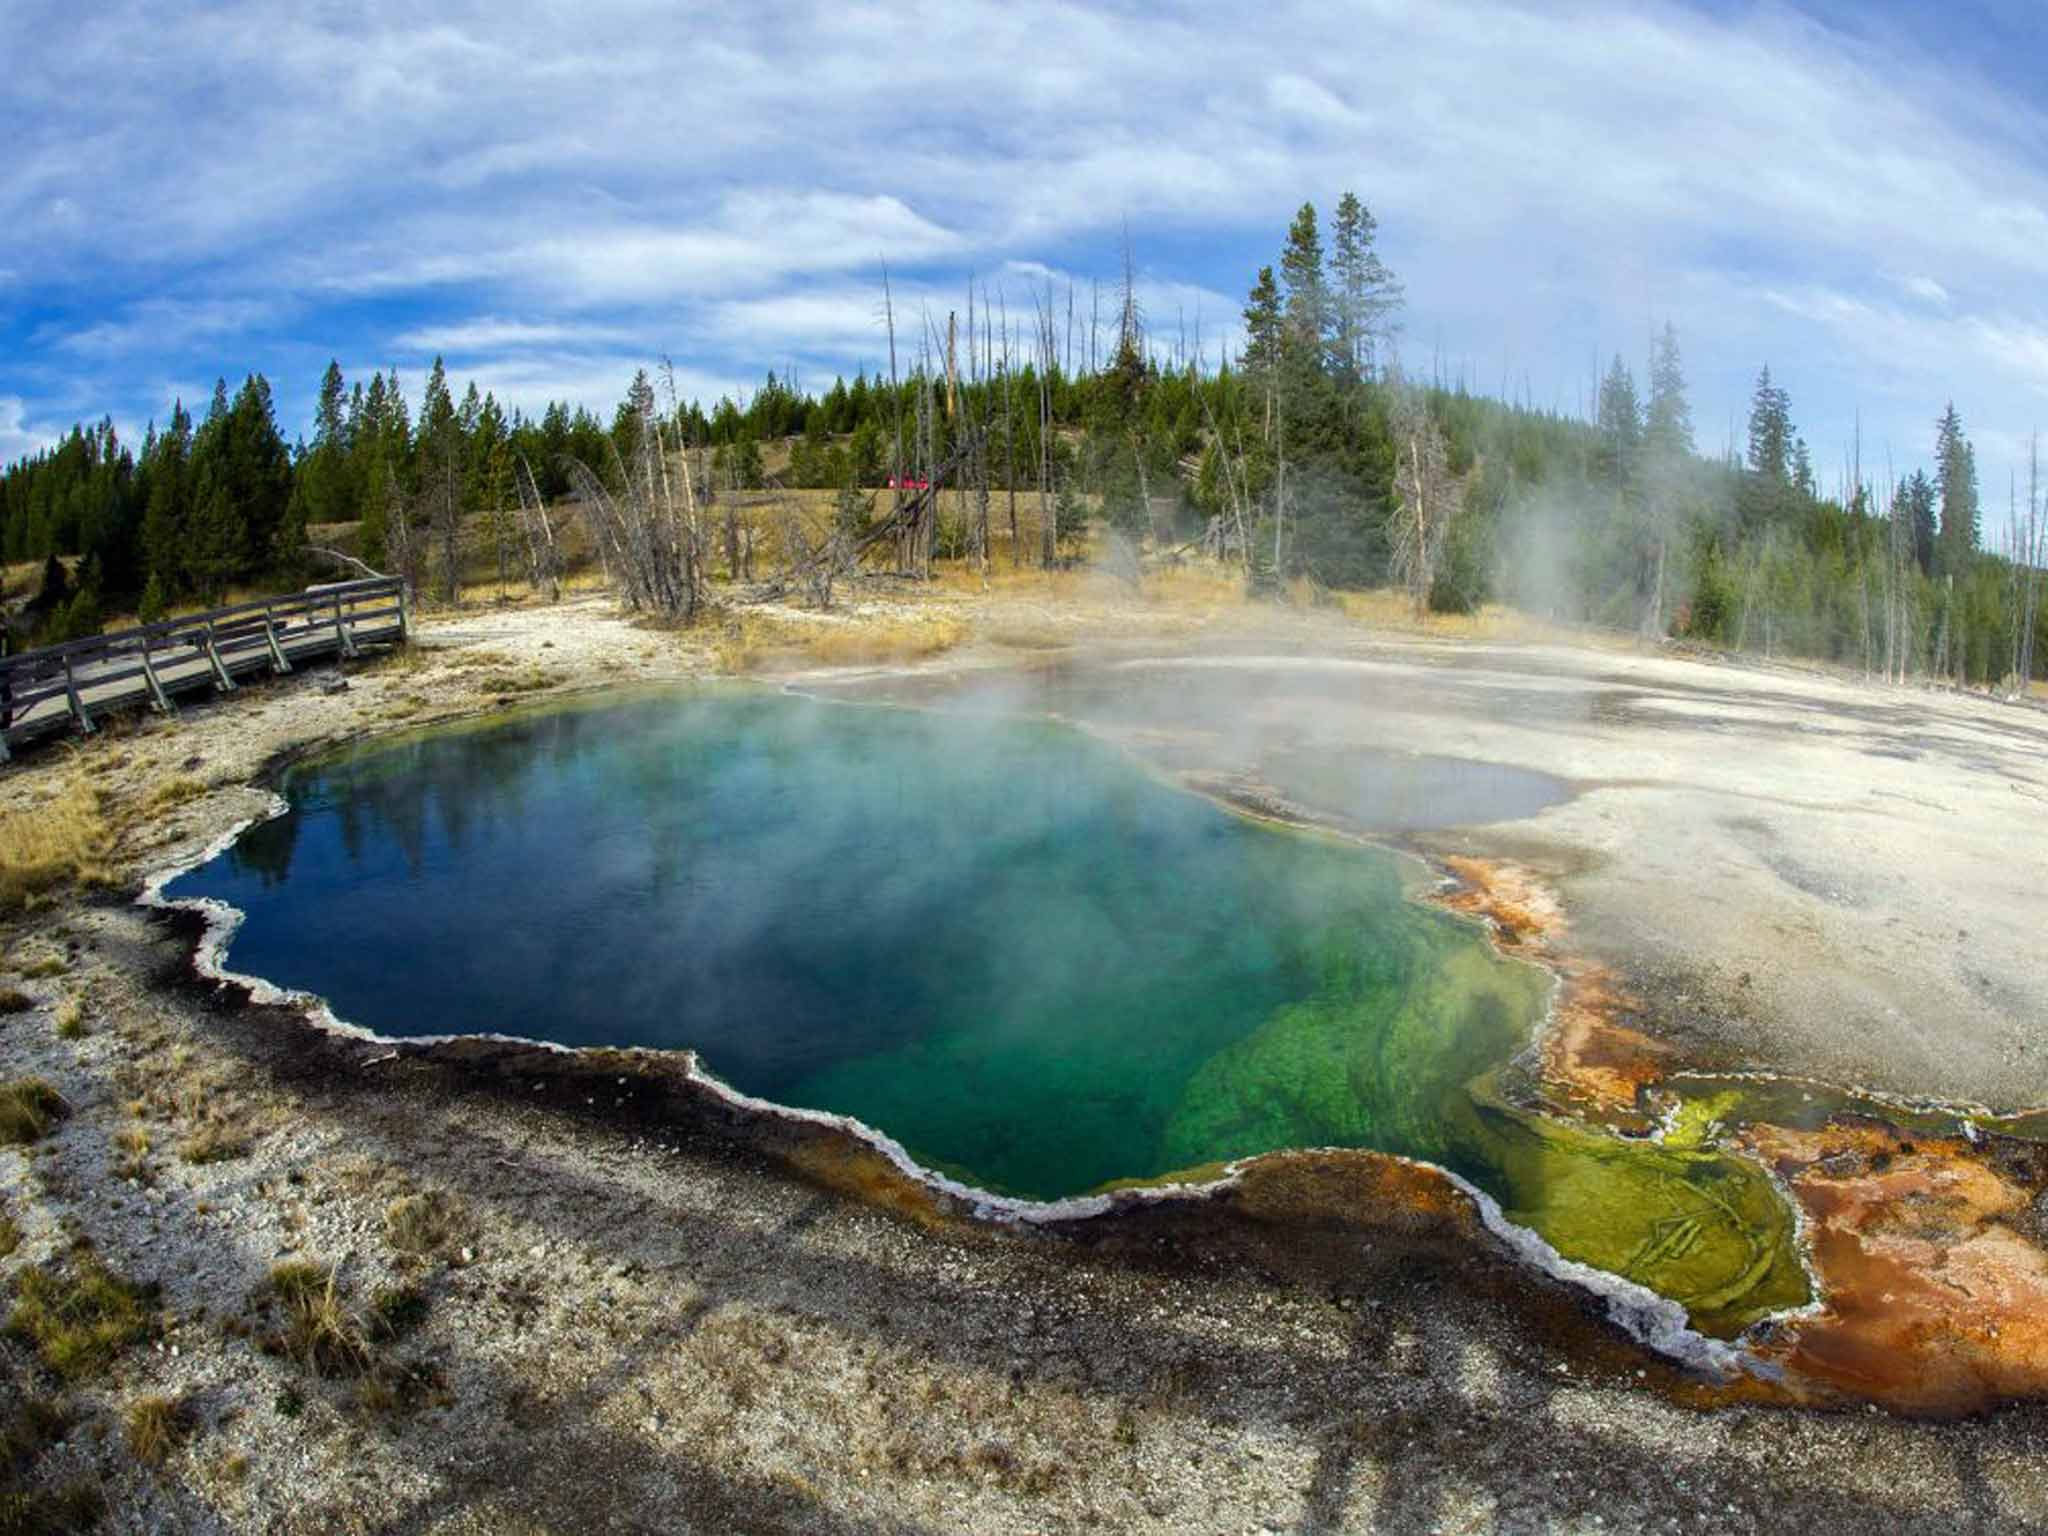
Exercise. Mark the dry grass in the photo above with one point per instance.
(174, 791)
(320, 1333)
(29, 1106)
(755, 642)
(66, 837)
(14, 1000)
(529, 679)
(202, 1099)
(77, 1314)
(217, 1137)
(156, 1426)
(133, 1162)
(889, 640)
(71, 1019)
(43, 967)
(10, 1235)
(420, 1224)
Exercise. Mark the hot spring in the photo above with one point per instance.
(1040, 969)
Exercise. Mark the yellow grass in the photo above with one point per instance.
(756, 642)
(66, 837)
(174, 791)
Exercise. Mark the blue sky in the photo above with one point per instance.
(553, 195)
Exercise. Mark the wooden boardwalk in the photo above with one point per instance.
(60, 687)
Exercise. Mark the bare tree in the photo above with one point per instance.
(1424, 494)
(402, 545)
(2033, 547)
(543, 558)
(655, 542)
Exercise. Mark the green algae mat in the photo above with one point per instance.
(1035, 966)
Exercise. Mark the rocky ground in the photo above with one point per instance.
(573, 1293)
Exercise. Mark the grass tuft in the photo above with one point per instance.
(10, 1235)
(70, 1020)
(156, 1427)
(14, 1000)
(133, 1145)
(422, 1223)
(396, 1310)
(28, 1108)
(319, 1332)
(78, 1315)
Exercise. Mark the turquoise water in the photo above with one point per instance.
(1036, 966)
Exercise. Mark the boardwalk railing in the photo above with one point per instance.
(43, 691)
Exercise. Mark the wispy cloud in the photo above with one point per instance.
(492, 333)
(157, 326)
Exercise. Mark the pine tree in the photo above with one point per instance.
(438, 457)
(1667, 430)
(1367, 294)
(1770, 430)
(1308, 296)
(1262, 321)
(1667, 450)
(1920, 503)
(1955, 468)
(170, 505)
(1621, 423)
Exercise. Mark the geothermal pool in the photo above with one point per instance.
(1039, 968)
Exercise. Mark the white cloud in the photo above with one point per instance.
(17, 437)
(593, 180)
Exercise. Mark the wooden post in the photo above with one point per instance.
(77, 704)
(277, 660)
(342, 642)
(161, 699)
(221, 680)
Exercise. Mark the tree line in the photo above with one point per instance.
(1309, 458)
